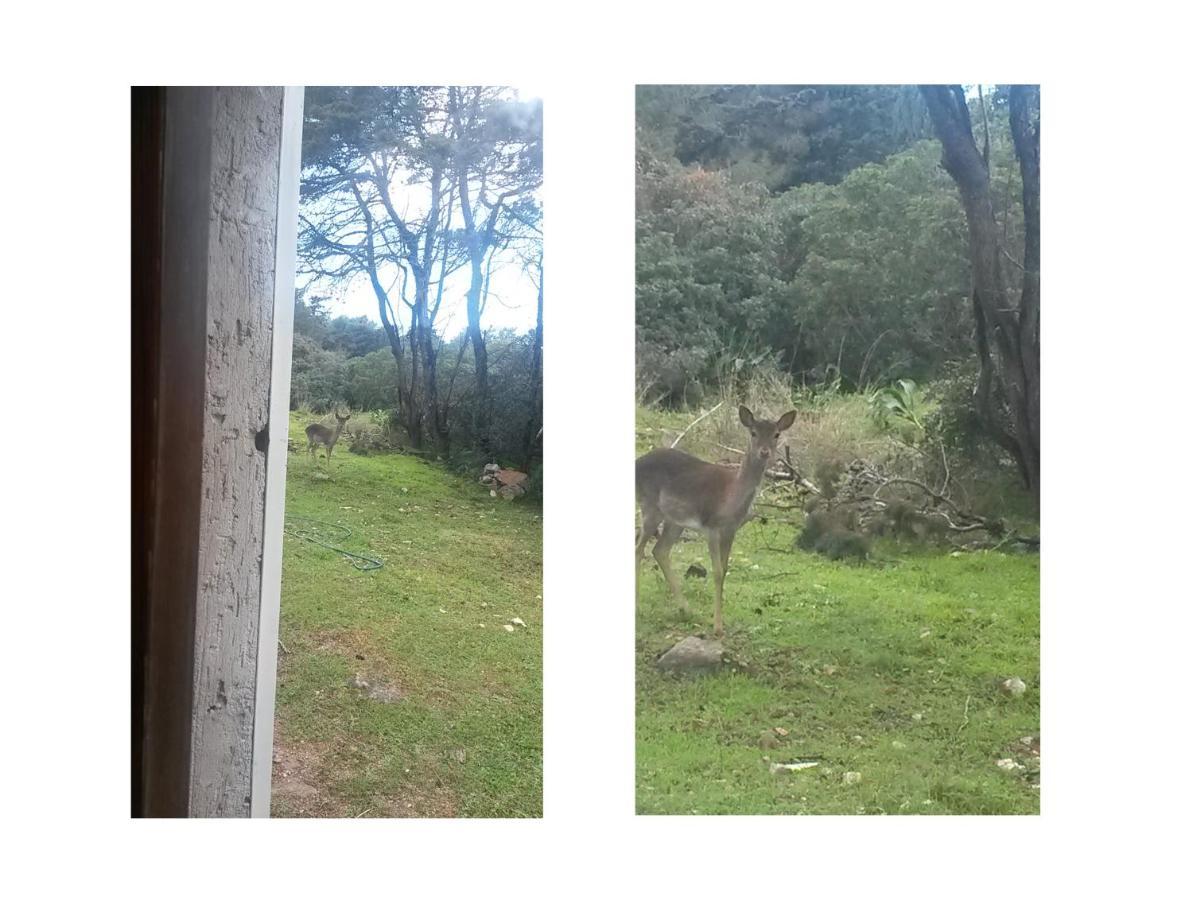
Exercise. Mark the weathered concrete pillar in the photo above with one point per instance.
(229, 221)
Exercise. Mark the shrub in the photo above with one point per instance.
(830, 534)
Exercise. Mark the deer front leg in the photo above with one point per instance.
(718, 550)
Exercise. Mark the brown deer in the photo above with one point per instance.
(679, 491)
(322, 435)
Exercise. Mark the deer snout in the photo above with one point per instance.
(764, 452)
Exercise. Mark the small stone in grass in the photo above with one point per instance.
(898, 745)
(852, 777)
(517, 621)
(508, 627)
(1008, 765)
(1013, 686)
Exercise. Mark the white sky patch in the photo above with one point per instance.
(512, 299)
(512, 303)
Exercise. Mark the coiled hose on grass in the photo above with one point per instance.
(308, 530)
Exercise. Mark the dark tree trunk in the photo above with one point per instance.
(424, 416)
(1007, 332)
(482, 406)
(1025, 131)
(394, 336)
(530, 437)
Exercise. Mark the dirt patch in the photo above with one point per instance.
(299, 784)
(376, 689)
(435, 804)
(305, 775)
(352, 643)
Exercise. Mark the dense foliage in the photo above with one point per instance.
(347, 362)
(811, 227)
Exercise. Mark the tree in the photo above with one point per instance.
(877, 291)
(1007, 331)
(496, 165)
(534, 420)
(363, 147)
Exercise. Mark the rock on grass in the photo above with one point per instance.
(692, 655)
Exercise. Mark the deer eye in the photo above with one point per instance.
(776, 435)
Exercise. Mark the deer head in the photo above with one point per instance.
(764, 434)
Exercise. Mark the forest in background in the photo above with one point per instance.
(861, 240)
(403, 187)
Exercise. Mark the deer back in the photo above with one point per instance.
(320, 434)
(690, 491)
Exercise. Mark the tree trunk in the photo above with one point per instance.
(482, 404)
(529, 438)
(1008, 333)
(394, 336)
(1025, 131)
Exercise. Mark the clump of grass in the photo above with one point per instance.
(831, 430)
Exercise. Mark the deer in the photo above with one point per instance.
(677, 490)
(322, 435)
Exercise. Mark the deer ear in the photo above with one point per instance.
(747, 417)
(787, 420)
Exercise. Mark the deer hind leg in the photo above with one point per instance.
(650, 521)
(650, 529)
(662, 554)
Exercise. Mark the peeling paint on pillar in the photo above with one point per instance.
(246, 142)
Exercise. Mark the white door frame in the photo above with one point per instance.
(289, 171)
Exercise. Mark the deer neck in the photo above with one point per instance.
(339, 427)
(749, 476)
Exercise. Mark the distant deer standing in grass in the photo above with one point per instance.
(321, 435)
(678, 491)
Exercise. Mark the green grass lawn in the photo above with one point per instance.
(453, 723)
(889, 670)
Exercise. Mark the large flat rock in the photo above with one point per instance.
(692, 655)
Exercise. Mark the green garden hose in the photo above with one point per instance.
(307, 529)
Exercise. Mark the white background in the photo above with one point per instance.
(1115, 156)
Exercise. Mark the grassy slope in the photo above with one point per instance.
(889, 670)
(466, 737)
